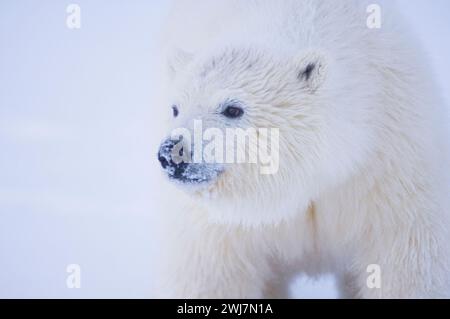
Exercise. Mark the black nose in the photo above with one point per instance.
(164, 162)
(174, 167)
(165, 153)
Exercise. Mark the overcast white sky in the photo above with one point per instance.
(79, 182)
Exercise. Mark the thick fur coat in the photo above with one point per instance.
(363, 177)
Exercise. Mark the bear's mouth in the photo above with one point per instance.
(194, 174)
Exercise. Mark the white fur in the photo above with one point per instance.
(363, 176)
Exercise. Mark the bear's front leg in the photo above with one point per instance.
(204, 260)
(407, 263)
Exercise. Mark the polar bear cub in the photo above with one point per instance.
(361, 182)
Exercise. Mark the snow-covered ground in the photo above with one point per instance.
(79, 181)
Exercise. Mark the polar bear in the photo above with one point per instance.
(362, 183)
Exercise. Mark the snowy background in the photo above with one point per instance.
(79, 182)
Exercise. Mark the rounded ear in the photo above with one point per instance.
(312, 70)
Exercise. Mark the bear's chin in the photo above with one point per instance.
(231, 205)
(197, 188)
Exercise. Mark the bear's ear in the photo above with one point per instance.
(177, 60)
(312, 70)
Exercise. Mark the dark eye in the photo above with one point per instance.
(233, 112)
(175, 111)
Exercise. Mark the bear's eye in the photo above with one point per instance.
(175, 111)
(233, 112)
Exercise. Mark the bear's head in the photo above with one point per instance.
(257, 136)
